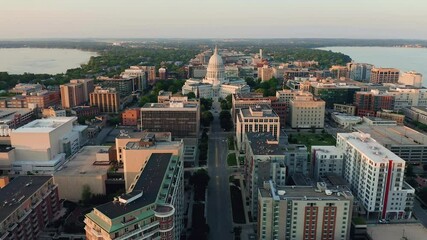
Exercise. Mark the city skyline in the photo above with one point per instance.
(213, 19)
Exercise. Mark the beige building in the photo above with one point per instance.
(72, 94)
(107, 100)
(88, 167)
(88, 86)
(265, 73)
(344, 108)
(411, 78)
(384, 75)
(260, 118)
(53, 112)
(304, 212)
(306, 111)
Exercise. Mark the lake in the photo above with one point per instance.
(405, 59)
(41, 60)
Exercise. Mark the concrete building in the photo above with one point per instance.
(411, 78)
(260, 118)
(53, 112)
(85, 111)
(368, 103)
(14, 102)
(360, 71)
(141, 76)
(399, 118)
(72, 94)
(107, 100)
(246, 100)
(375, 175)
(408, 144)
(163, 73)
(26, 88)
(384, 75)
(326, 160)
(346, 121)
(131, 117)
(304, 212)
(339, 71)
(150, 72)
(265, 73)
(43, 99)
(407, 97)
(152, 208)
(164, 96)
(416, 113)
(124, 85)
(88, 167)
(182, 119)
(333, 93)
(88, 86)
(306, 111)
(29, 204)
(267, 157)
(42, 145)
(344, 108)
(14, 118)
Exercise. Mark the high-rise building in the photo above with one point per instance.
(72, 94)
(152, 207)
(106, 99)
(375, 175)
(408, 97)
(140, 75)
(411, 78)
(124, 85)
(260, 118)
(304, 212)
(333, 93)
(29, 204)
(384, 75)
(88, 86)
(265, 73)
(163, 73)
(360, 71)
(182, 118)
(368, 103)
(326, 160)
(339, 71)
(307, 111)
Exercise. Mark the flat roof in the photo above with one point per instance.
(149, 184)
(393, 135)
(171, 105)
(45, 124)
(308, 193)
(369, 147)
(18, 191)
(420, 108)
(8, 114)
(267, 111)
(259, 142)
(327, 149)
(83, 163)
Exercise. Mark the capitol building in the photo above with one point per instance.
(215, 85)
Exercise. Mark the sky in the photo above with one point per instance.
(403, 19)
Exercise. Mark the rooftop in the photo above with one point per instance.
(85, 162)
(148, 184)
(393, 135)
(263, 109)
(369, 147)
(8, 114)
(45, 124)
(264, 143)
(171, 105)
(327, 150)
(17, 192)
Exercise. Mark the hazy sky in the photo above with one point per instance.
(213, 18)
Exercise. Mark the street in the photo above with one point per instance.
(219, 212)
(420, 213)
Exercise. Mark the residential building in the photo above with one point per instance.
(407, 143)
(42, 145)
(141, 74)
(265, 73)
(150, 72)
(72, 94)
(163, 73)
(152, 208)
(339, 71)
(375, 175)
(182, 119)
(85, 111)
(326, 160)
(304, 212)
(14, 102)
(307, 111)
(344, 108)
(131, 117)
(384, 75)
(43, 99)
(360, 71)
(259, 118)
(53, 112)
(88, 86)
(26, 88)
(106, 99)
(268, 157)
(411, 78)
(124, 85)
(333, 93)
(291, 74)
(88, 167)
(416, 113)
(29, 204)
(368, 103)
(407, 97)
(15, 117)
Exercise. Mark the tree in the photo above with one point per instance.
(191, 95)
(200, 181)
(225, 120)
(86, 194)
(206, 118)
(409, 170)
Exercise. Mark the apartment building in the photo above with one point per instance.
(88, 86)
(304, 212)
(384, 75)
(307, 111)
(107, 100)
(72, 94)
(141, 75)
(152, 208)
(375, 175)
(265, 73)
(124, 85)
(360, 71)
(326, 160)
(29, 204)
(14, 102)
(131, 117)
(339, 71)
(43, 99)
(407, 97)
(368, 103)
(411, 78)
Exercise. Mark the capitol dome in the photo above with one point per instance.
(215, 72)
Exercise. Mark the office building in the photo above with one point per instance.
(28, 205)
(260, 118)
(399, 118)
(307, 111)
(375, 175)
(246, 100)
(345, 121)
(106, 99)
(304, 212)
(339, 71)
(344, 108)
(14, 102)
(368, 103)
(124, 85)
(152, 208)
(267, 157)
(384, 75)
(265, 73)
(87, 168)
(140, 74)
(43, 99)
(407, 97)
(333, 93)
(182, 119)
(131, 117)
(360, 71)
(326, 160)
(15, 117)
(411, 78)
(72, 94)
(88, 86)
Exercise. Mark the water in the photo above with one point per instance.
(41, 60)
(405, 59)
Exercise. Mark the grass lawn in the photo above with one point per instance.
(310, 139)
(231, 159)
(237, 205)
(230, 141)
